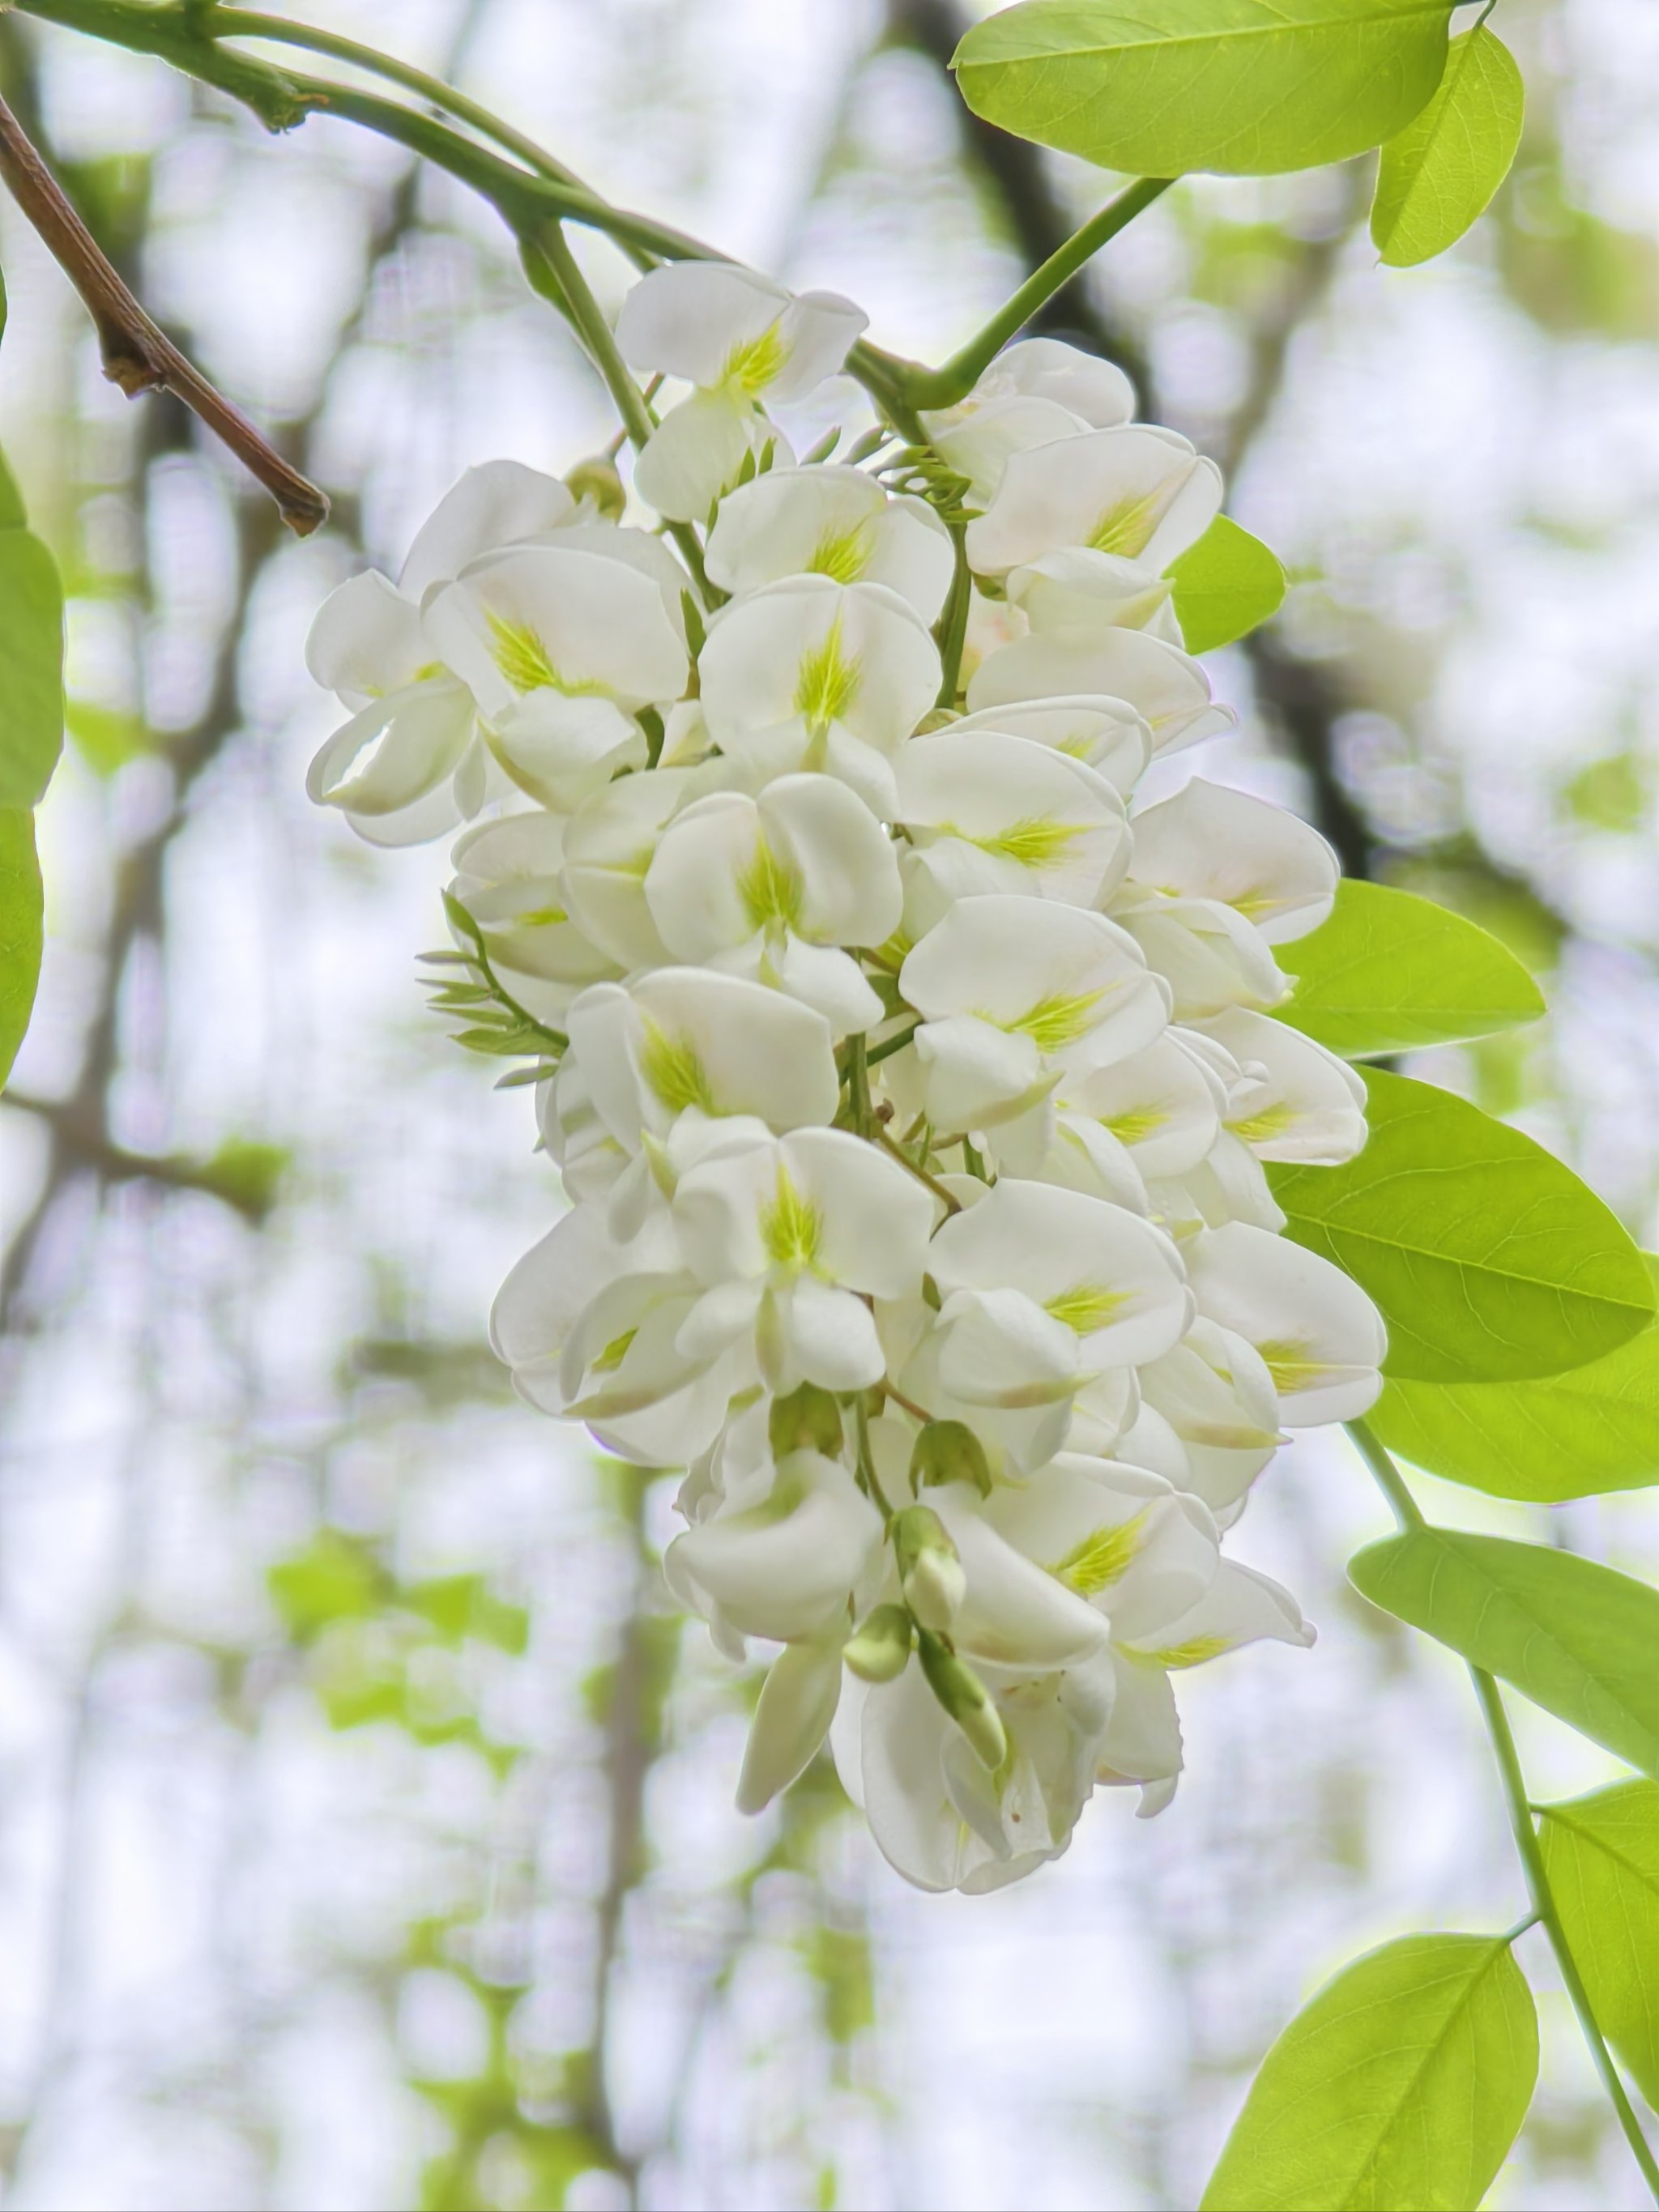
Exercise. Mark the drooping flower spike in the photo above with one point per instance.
(909, 1080)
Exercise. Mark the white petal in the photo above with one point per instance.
(494, 504)
(1161, 1103)
(1132, 489)
(1165, 686)
(1294, 1101)
(797, 1702)
(833, 521)
(829, 981)
(696, 451)
(366, 641)
(1322, 1337)
(980, 443)
(1106, 734)
(686, 318)
(1210, 843)
(789, 1574)
(1240, 1606)
(1096, 390)
(831, 1338)
(843, 860)
(916, 1827)
(815, 652)
(1025, 817)
(998, 1347)
(394, 753)
(1080, 589)
(1016, 1613)
(562, 750)
(608, 853)
(550, 618)
(975, 1074)
(819, 330)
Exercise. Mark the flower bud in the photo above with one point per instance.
(881, 1650)
(598, 479)
(966, 1699)
(948, 1451)
(929, 1569)
(808, 1420)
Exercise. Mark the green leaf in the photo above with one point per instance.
(1402, 2084)
(1574, 1637)
(31, 667)
(1250, 87)
(105, 738)
(1435, 177)
(1601, 1854)
(12, 515)
(1226, 586)
(1577, 1435)
(1390, 972)
(22, 935)
(336, 1577)
(1488, 1257)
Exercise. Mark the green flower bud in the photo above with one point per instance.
(930, 1572)
(598, 479)
(948, 1451)
(965, 1697)
(881, 1650)
(808, 1420)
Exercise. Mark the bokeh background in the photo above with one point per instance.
(365, 1835)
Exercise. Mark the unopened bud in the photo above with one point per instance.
(881, 1650)
(598, 480)
(966, 1699)
(930, 1571)
(948, 1451)
(808, 1420)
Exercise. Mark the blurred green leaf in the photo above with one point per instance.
(1436, 177)
(1577, 1638)
(336, 1577)
(1226, 586)
(21, 929)
(246, 1175)
(1592, 1429)
(31, 667)
(460, 1606)
(1601, 1854)
(1389, 972)
(1488, 1258)
(1610, 794)
(106, 738)
(1247, 87)
(1399, 2088)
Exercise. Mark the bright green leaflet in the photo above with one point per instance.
(20, 929)
(1602, 1855)
(1577, 1638)
(1226, 586)
(1250, 87)
(1403, 2083)
(1489, 1260)
(1435, 177)
(1577, 1435)
(1390, 972)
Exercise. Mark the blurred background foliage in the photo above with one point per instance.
(366, 1826)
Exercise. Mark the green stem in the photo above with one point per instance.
(945, 386)
(877, 1053)
(951, 1204)
(858, 1085)
(953, 623)
(575, 297)
(867, 1458)
(1490, 1700)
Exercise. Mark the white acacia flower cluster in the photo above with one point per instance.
(917, 1083)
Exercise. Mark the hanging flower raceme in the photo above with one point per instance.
(913, 1084)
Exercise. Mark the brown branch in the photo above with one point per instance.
(137, 355)
(82, 1134)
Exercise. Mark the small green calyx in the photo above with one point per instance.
(598, 479)
(808, 1420)
(964, 1698)
(930, 1572)
(948, 1451)
(881, 1650)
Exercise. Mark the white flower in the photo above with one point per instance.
(1079, 589)
(507, 875)
(1105, 734)
(1165, 687)
(1292, 1100)
(408, 766)
(769, 887)
(789, 1238)
(608, 848)
(740, 341)
(1014, 990)
(1034, 392)
(986, 812)
(1319, 1336)
(812, 674)
(1216, 1393)
(785, 1567)
(834, 522)
(1134, 491)
(561, 646)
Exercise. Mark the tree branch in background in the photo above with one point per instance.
(137, 355)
